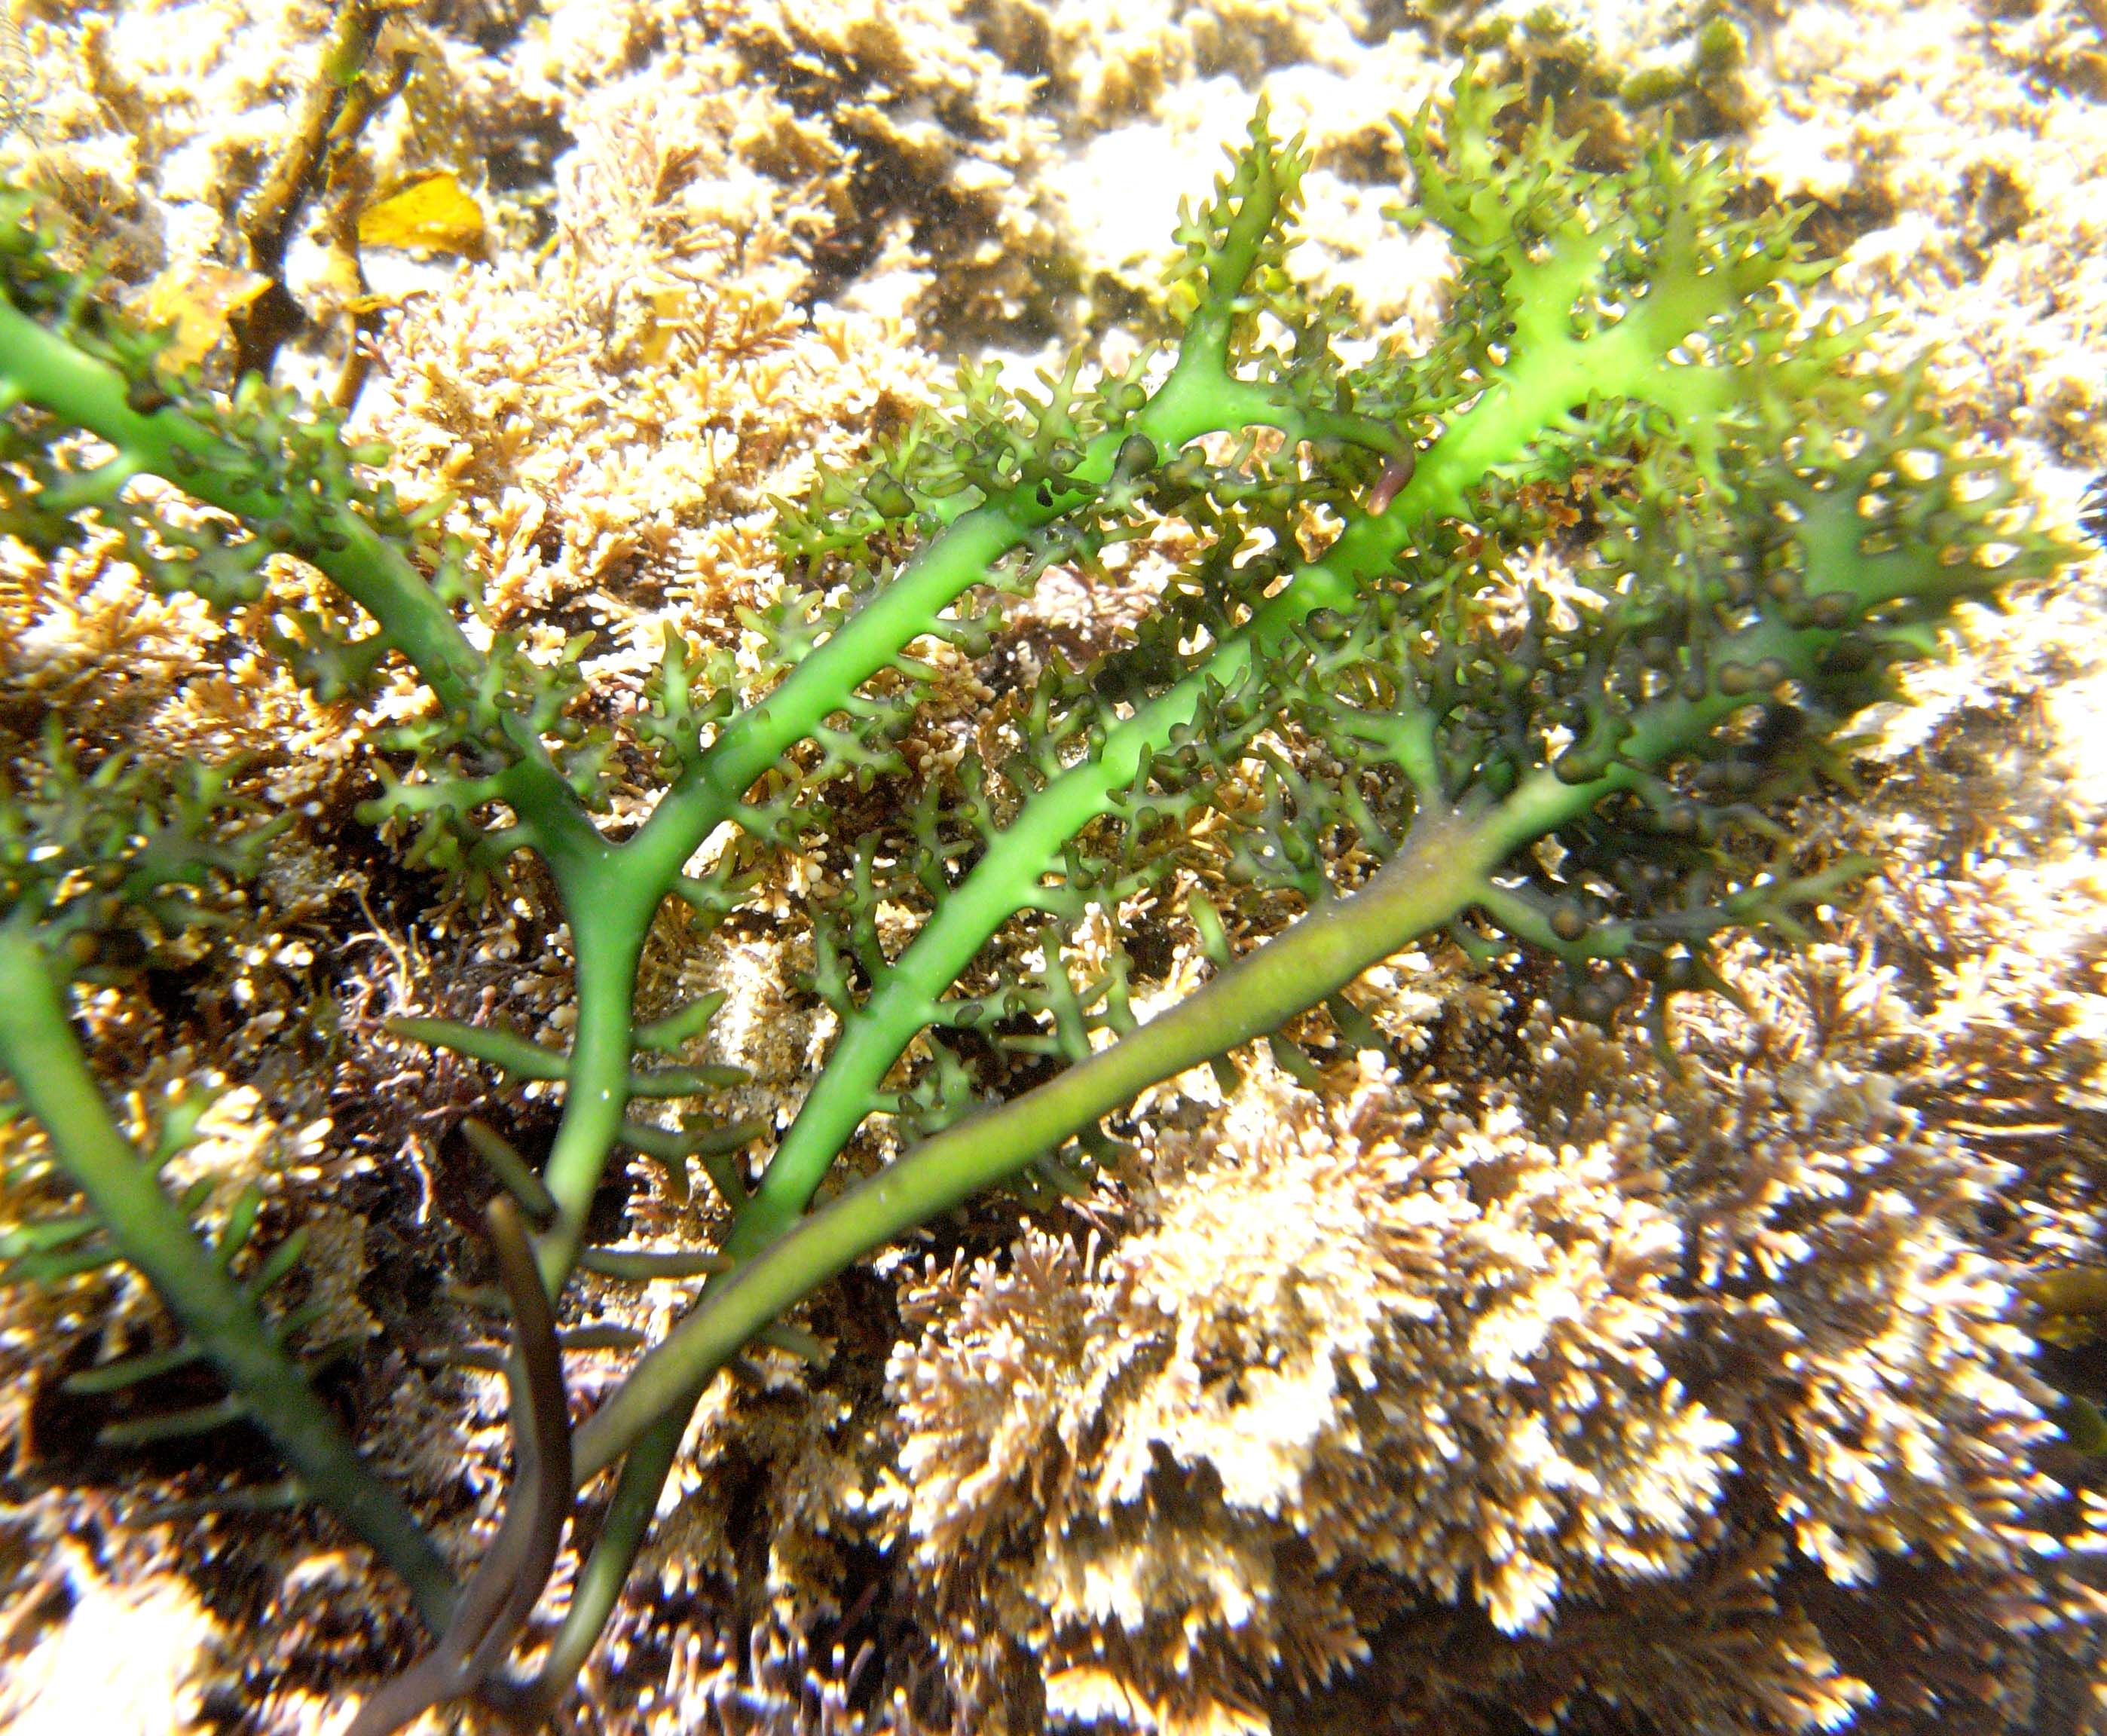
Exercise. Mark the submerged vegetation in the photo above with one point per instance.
(1365, 691)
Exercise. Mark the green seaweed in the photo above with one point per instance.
(1605, 777)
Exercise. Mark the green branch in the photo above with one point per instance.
(38, 1050)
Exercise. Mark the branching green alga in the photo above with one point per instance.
(1603, 775)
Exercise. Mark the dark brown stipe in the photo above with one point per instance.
(499, 1600)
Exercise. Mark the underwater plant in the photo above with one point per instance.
(1349, 693)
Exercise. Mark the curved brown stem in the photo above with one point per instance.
(497, 1603)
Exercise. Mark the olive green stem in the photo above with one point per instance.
(300, 167)
(38, 1049)
(1446, 862)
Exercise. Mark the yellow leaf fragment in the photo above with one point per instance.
(431, 212)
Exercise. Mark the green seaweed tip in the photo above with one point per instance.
(1773, 529)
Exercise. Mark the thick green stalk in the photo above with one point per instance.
(38, 1049)
(1441, 870)
(607, 940)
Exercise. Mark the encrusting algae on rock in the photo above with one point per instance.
(1445, 1365)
